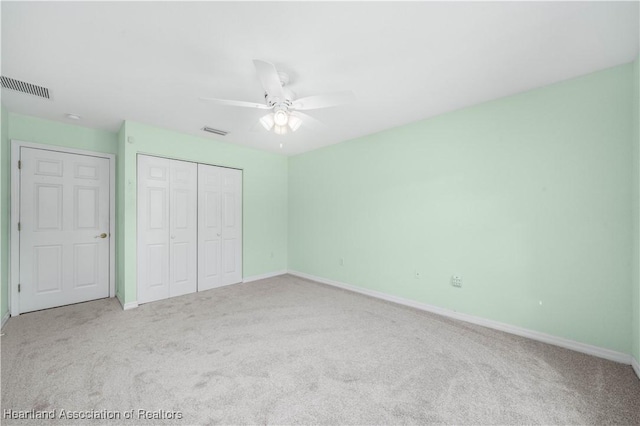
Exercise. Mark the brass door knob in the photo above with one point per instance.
(103, 235)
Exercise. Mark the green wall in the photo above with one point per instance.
(264, 195)
(635, 159)
(37, 130)
(526, 197)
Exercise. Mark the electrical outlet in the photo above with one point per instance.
(456, 281)
(341, 261)
(416, 275)
(272, 255)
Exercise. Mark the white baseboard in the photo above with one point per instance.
(133, 305)
(5, 318)
(263, 276)
(636, 366)
(220, 286)
(126, 306)
(531, 334)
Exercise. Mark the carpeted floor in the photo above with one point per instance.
(289, 351)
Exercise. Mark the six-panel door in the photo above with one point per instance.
(183, 228)
(231, 225)
(219, 226)
(167, 228)
(64, 237)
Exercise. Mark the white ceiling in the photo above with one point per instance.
(149, 62)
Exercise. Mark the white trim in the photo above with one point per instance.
(112, 226)
(636, 366)
(5, 318)
(212, 288)
(263, 276)
(531, 334)
(127, 306)
(130, 305)
(14, 264)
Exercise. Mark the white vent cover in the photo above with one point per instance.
(24, 87)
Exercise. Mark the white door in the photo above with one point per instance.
(183, 215)
(153, 228)
(209, 227)
(220, 226)
(167, 228)
(64, 221)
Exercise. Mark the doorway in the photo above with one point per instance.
(62, 226)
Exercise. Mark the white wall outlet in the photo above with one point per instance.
(456, 281)
(341, 261)
(416, 275)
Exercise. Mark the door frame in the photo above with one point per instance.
(14, 235)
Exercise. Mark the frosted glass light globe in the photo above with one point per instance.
(281, 118)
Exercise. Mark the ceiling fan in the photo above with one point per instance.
(285, 109)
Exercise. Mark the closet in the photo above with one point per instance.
(189, 227)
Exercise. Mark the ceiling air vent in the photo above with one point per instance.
(24, 87)
(214, 131)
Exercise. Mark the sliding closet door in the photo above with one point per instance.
(153, 228)
(209, 227)
(183, 252)
(220, 226)
(167, 228)
(231, 226)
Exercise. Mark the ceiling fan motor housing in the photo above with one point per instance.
(274, 101)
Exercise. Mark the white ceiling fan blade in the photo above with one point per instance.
(268, 76)
(226, 102)
(309, 122)
(324, 101)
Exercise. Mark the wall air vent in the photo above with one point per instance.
(215, 131)
(24, 87)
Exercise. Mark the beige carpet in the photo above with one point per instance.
(290, 351)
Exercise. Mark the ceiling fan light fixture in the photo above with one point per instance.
(267, 122)
(280, 130)
(294, 123)
(280, 117)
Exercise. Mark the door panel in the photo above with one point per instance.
(229, 258)
(62, 213)
(47, 269)
(232, 226)
(209, 231)
(86, 208)
(153, 228)
(48, 201)
(85, 264)
(167, 228)
(184, 228)
(220, 226)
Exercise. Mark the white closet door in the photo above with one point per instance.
(231, 226)
(219, 226)
(167, 228)
(64, 238)
(209, 227)
(184, 228)
(153, 228)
